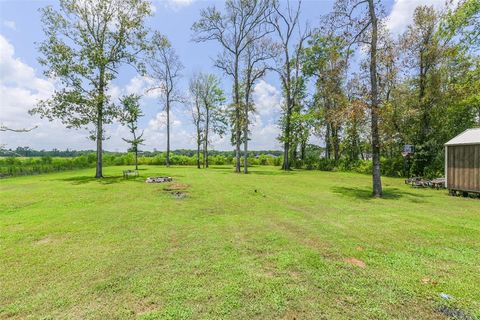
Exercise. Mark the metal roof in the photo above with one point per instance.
(469, 136)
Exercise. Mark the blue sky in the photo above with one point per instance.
(22, 82)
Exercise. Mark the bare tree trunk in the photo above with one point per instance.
(421, 99)
(238, 136)
(199, 143)
(167, 158)
(336, 144)
(327, 142)
(377, 179)
(294, 149)
(303, 147)
(101, 89)
(136, 150)
(245, 132)
(98, 173)
(207, 128)
(238, 131)
(286, 147)
(198, 156)
(136, 159)
(245, 153)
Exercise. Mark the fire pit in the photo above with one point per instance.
(158, 179)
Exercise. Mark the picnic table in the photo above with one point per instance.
(127, 173)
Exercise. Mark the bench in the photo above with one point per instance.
(127, 173)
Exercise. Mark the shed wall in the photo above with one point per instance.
(463, 168)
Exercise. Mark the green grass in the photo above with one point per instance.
(78, 248)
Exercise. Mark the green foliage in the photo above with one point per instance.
(129, 116)
(84, 46)
(463, 21)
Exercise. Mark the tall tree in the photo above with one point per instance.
(256, 62)
(286, 23)
(325, 60)
(234, 30)
(214, 118)
(86, 43)
(165, 68)
(423, 53)
(198, 117)
(361, 28)
(129, 115)
(207, 113)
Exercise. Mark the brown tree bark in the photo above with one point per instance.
(101, 92)
(167, 158)
(377, 179)
(207, 128)
(238, 132)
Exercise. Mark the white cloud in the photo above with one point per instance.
(177, 4)
(10, 24)
(265, 129)
(264, 134)
(402, 13)
(155, 133)
(21, 87)
(140, 85)
(20, 90)
(267, 98)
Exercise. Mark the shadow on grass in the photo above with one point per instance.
(104, 180)
(388, 193)
(220, 168)
(276, 172)
(251, 170)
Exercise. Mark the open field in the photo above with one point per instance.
(268, 245)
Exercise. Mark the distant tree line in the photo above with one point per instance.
(28, 152)
(54, 161)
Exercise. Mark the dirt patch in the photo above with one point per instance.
(355, 262)
(359, 248)
(426, 280)
(144, 308)
(175, 186)
(46, 240)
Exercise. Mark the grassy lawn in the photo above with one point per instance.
(269, 245)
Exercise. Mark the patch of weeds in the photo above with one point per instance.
(9, 310)
(112, 285)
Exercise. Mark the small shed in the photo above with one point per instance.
(462, 162)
